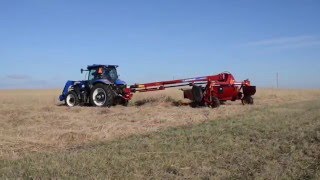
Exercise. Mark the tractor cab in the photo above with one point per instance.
(96, 72)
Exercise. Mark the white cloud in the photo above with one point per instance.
(287, 42)
(19, 81)
(17, 77)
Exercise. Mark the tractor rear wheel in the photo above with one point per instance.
(247, 100)
(102, 95)
(72, 99)
(215, 102)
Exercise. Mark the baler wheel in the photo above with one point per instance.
(215, 102)
(194, 104)
(72, 99)
(102, 95)
(197, 94)
(222, 101)
(124, 102)
(247, 100)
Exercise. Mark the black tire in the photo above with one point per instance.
(197, 94)
(124, 102)
(71, 99)
(247, 100)
(222, 102)
(194, 104)
(102, 95)
(215, 102)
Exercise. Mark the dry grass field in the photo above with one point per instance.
(40, 137)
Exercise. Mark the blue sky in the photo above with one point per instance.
(45, 43)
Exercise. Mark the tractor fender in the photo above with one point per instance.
(102, 81)
(120, 82)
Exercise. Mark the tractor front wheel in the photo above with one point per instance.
(102, 96)
(72, 99)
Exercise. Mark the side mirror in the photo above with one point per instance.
(81, 71)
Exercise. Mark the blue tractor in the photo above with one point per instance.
(102, 88)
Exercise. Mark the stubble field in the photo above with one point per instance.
(33, 123)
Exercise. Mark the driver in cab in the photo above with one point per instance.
(99, 73)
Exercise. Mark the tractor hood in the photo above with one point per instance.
(120, 82)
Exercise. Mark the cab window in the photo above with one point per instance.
(92, 74)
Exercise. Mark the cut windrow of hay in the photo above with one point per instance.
(157, 100)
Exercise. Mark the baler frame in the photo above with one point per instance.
(217, 89)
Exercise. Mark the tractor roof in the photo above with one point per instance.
(100, 65)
